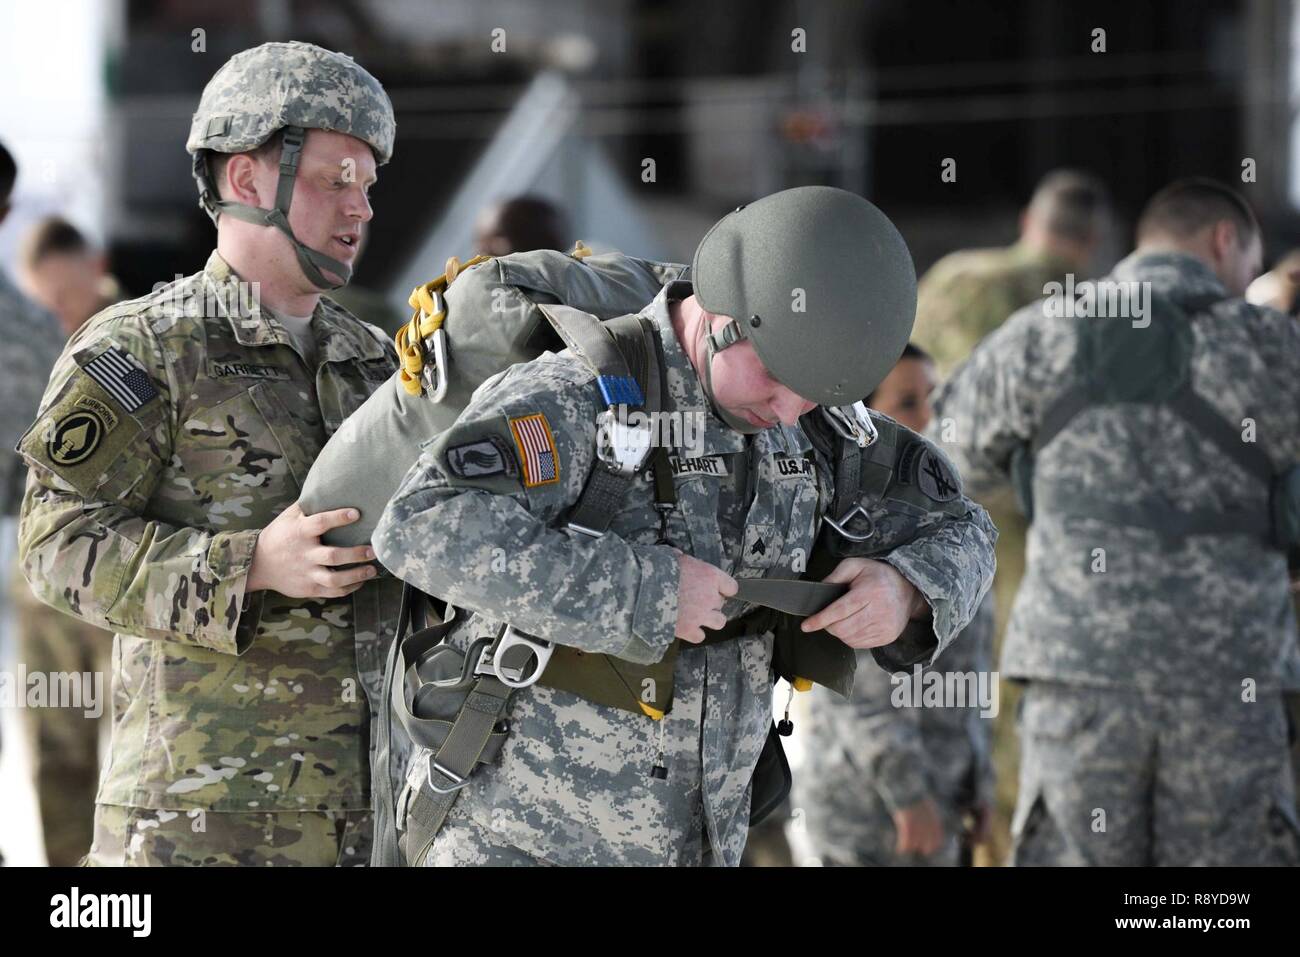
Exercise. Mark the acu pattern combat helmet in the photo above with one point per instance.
(820, 281)
(292, 87)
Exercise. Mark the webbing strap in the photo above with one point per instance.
(451, 766)
(848, 471)
(384, 850)
(602, 498)
(1161, 518)
(594, 343)
(1058, 415)
(635, 354)
(1207, 420)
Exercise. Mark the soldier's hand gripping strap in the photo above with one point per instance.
(895, 464)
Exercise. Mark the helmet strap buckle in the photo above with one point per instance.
(729, 335)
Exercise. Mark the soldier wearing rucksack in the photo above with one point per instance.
(617, 587)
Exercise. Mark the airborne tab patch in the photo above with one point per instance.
(536, 444)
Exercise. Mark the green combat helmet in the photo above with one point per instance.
(292, 87)
(821, 283)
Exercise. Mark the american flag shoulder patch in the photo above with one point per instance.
(536, 444)
(121, 377)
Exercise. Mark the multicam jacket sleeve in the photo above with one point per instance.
(96, 453)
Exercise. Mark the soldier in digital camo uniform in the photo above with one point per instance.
(969, 293)
(165, 465)
(31, 346)
(1155, 445)
(886, 781)
(486, 521)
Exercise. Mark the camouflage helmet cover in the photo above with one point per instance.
(294, 87)
(269, 87)
(820, 281)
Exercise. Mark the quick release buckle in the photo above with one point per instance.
(492, 660)
(852, 422)
(620, 447)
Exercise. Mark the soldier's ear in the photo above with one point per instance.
(239, 180)
(1223, 240)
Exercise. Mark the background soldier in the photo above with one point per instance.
(967, 294)
(65, 274)
(165, 465)
(582, 778)
(68, 277)
(883, 783)
(964, 297)
(521, 224)
(31, 346)
(1154, 626)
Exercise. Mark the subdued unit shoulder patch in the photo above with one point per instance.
(482, 458)
(536, 445)
(82, 436)
(934, 477)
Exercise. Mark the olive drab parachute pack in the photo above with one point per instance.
(476, 320)
(1117, 362)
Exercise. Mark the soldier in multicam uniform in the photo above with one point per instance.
(1154, 628)
(886, 782)
(967, 294)
(165, 466)
(486, 520)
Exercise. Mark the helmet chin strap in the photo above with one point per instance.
(311, 261)
(706, 382)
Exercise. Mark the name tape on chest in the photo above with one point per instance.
(246, 370)
(702, 465)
